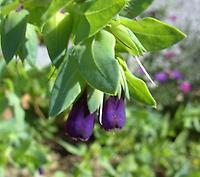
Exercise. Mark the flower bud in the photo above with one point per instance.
(80, 122)
(113, 115)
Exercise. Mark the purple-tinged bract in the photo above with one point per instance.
(80, 122)
(113, 115)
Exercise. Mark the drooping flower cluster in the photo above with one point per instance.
(80, 122)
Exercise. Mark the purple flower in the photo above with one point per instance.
(176, 74)
(185, 87)
(80, 122)
(161, 77)
(173, 18)
(113, 115)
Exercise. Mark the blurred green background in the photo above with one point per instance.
(154, 143)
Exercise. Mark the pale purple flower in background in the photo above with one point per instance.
(161, 77)
(176, 75)
(185, 87)
(173, 18)
(169, 54)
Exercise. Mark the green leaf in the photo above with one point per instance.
(127, 39)
(194, 174)
(76, 150)
(54, 7)
(98, 64)
(94, 99)
(138, 90)
(19, 113)
(5, 10)
(2, 68)
(135, 8)
(68, 85)
(13, 33)
(1, 20)
(56, 35)
(124, 83)
(36, 9)
(28, 49)
(153, 34)
(96, 16)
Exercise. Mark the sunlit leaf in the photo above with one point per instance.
(153, 34)
(56, 35)
(98, 64)
(68, 85)
(29, 47)
(94, 99)
(96, 16)
(139, 90)
(135, 7)
(13, 33)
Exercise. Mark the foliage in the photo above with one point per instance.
(152, 144)
(98, 34)
(20, 138)
(179, 64)
(86, 40)
(149, 145)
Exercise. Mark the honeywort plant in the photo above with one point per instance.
(93, 75)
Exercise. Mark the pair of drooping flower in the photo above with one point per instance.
(80, 122)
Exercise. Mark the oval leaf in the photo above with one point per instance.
(56, 35)
(28, 50)
(13, 33)
(97, 15)
(98, 64)
(68, 85)
(138, 90)
(135, 7)
(54, 7)
(153, 34)
(127, 39)
(124, 83)
(94, 99)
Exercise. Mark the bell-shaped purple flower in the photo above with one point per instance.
(113, 114)
(80, 122)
